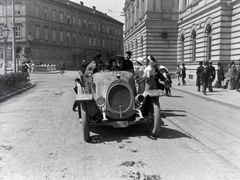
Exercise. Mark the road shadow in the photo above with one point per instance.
(209, 94)
(172, 113)
(109, 134)
(175, 96)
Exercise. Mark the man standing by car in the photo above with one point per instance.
(127, 64)
(95, 65)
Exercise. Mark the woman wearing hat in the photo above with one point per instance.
(149, 74)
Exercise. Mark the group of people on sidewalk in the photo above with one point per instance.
(206, 74)
(181, 74)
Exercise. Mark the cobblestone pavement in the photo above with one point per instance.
(41, 138)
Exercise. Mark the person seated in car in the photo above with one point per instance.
(127, 64)
(114, 66)
(95, 66)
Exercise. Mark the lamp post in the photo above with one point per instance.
(5, 34)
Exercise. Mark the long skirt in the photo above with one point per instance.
(150, 83)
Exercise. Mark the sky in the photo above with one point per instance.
(113, 8)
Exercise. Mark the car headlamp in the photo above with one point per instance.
(100, 101)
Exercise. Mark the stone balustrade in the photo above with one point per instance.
(44, 68)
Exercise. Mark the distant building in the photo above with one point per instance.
(151, 29)
(53, 30)
(208, 30)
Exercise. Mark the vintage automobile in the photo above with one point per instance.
(112, 99)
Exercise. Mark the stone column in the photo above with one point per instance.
(180, 5)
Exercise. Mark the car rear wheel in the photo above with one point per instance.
(84, 114)
(156, 123)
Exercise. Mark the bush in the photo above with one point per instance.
(10, 82)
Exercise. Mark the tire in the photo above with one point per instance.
(84, 114)
(156, 124)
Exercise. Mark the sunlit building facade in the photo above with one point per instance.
(60, 30)
(208, 30)
(151, 29)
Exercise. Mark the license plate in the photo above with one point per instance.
(154, 93)
(120, 124)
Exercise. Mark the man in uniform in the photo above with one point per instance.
(127, 64)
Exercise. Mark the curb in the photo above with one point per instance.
(46, 72)
(207, 98)
(17, 92)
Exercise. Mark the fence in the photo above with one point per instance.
(44, 68)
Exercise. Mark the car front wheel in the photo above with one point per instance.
(156, 124)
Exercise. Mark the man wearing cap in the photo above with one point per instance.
(127, 64)
(95, 65)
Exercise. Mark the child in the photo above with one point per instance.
(168, 81)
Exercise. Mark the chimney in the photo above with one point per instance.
(81, 3)
(94, 7)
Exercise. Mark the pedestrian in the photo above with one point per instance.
(205, 79)
(150, 84)
(232, 74)
(149, 74)
(212, 74)
(159, 78)
(127, 64)
(238, 79)
(220, 75)
(62, 67)
(77, 90)
(168, 81)
(227, 77)
(178, 73)
(24, 69)
(33, 67)
(28, 69)
(83, 66)
(199, 71)
(139, 71)
(183, 74)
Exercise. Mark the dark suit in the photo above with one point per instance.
(159, 76)
(200, 69)
(127, 65)
(205, 80)
(220, 76)
(212, 74)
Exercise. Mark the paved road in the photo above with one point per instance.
(41, 138)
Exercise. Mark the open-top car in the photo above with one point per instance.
(112, 98)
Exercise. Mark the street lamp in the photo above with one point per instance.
(5, 34)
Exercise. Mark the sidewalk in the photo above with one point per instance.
(224, 96)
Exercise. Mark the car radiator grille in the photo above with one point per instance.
(119, 98)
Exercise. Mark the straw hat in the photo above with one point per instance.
(162, 67)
